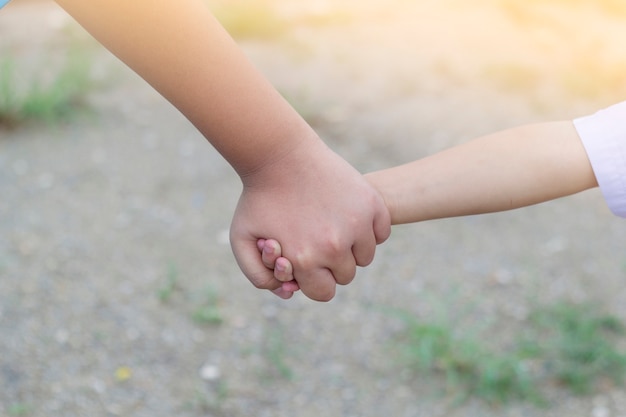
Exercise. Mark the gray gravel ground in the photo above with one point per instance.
(98, 216)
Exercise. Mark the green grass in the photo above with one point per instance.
(276, 352)
(571, 345)
(579, 347)
(208, 313)
(171, 283)
(208, 400)
(40, 99)
(468, 367)
(18, 409)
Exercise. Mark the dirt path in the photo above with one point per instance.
(118, 292)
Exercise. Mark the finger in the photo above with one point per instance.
(317, 284)
(291, 286)
(283, 270)
(339, 260)
(283, 293)
(247, 256)
(344, 269)
(364, 248)
(270, 253)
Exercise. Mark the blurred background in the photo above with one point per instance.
(119, 295)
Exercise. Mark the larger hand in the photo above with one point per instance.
(326, 216)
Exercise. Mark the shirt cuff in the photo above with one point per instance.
(603, 135)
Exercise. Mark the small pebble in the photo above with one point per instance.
(123, 373)
(600, 411)
(209, 372)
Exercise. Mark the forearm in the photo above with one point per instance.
(183, 52)
(502, 171)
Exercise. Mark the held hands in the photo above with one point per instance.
(326, 216)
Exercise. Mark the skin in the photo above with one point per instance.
(295, 189)
(502, 171)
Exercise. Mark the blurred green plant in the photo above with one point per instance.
(18, 409)
(25, 100)
(208, 313)
(276, 352)
(579, 345)
(208, 401)
(171, 283)
(570, 344)
(469, 368)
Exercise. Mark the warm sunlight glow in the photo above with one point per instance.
(535, 47)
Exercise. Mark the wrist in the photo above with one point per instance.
(404, 193)
(285, 163)
(385, 187)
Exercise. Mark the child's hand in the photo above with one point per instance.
(326, 216)
(283, 270)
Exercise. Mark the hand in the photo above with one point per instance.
(271, 255)
(326, 216)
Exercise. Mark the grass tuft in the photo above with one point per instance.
(208, 313)
(171, 283)
(39, 99)
(469, 369)
(580, 348)
(18, 409)
(571, 345)
(276, 353)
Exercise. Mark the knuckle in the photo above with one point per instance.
(324, 296)
(334, 244)
(303, 260)
(365, 260)
(345, 280)
(346, 274)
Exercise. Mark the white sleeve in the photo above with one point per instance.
(604, 137)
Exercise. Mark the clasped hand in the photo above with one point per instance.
(326, 216)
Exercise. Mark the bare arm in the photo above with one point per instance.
(291, 192)
(501, 171)
(183, 52)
